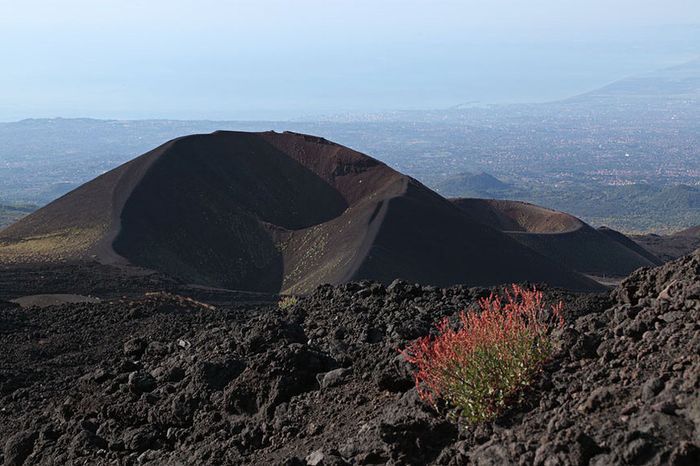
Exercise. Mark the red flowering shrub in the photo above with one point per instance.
(481, 366)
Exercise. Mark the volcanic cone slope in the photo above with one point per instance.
(561, 237)
(273, 212)
(670, 247)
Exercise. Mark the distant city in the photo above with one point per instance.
(620, 156)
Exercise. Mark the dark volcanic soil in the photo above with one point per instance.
(107, 282)
(84, 278)
(167, 380)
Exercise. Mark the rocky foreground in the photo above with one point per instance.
(169, 380)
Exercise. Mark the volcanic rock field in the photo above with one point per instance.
(164, 379)
(243, 298)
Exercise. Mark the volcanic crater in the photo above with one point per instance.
(274, 212)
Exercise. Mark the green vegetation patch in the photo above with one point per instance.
(481, 367)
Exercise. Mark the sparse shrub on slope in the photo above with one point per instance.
(481, 366)
(287, 302)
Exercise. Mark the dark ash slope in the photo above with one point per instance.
(561, 237)
(670, 247)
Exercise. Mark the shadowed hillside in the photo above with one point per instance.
(272, 212)
(670, 247)
(561, 236)
(628, 243)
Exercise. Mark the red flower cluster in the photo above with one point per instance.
(479, 367)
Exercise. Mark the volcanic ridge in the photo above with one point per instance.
(275, 212)
(673, 246)
(561, 237)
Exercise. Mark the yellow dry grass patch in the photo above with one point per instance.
(55, 246)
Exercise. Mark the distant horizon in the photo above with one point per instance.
(346, 112)
(274, 60)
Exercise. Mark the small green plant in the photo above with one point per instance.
(287, 302)
(480, 367)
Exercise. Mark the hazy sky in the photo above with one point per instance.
(286, 58)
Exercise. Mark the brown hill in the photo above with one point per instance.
(670, 247)
(560, 236)
(629, 243)
(692, 231)
(272, 212)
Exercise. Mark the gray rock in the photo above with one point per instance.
(596, 399)
(652, 388)
(490, 454)
(135, 347)
(638, 451)
(335, 377)
(19, 447)
(315, 458)
(141, 381)
(139, 439)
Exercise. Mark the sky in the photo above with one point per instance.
(281, 59)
